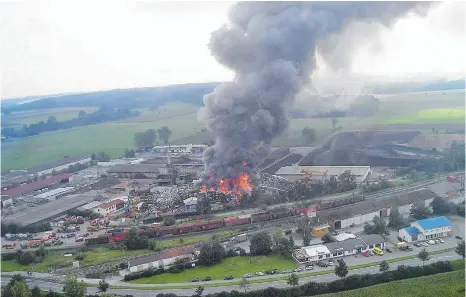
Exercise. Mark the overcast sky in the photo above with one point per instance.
(51, 47)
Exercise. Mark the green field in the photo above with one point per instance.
(235, 266)
(93, 257)
(449, 284)
(428, 116)
(111, 137)
(114, 137)
(18, 119)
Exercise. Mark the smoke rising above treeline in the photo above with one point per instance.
(271, 47)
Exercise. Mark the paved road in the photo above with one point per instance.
(50, 284)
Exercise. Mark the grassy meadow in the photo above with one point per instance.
(93, 257)
(423, 109)
(449, 284)
(234, 266)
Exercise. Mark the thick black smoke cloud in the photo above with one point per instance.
(271, 48)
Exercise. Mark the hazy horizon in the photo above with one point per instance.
(63, 47)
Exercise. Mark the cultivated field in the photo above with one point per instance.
(449, 284)
(416, 111)
(18, 119)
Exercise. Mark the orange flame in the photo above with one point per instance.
(235, 187)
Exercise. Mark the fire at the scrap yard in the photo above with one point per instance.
(233, 187)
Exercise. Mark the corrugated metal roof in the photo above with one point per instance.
(412, 231)
(434, 223)
(40, 184)
(54, 192)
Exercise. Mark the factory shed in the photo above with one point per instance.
(49, 210)
(38, 185)
(54, 194)
(320, 174)
(362, 212)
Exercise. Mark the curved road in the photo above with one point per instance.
(53, 285)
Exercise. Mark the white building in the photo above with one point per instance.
(343, 248)
(58, 166)
(180, 149)
(426, 229)
(90, 205)
(320, 174)
(163, 259)
(54, 194)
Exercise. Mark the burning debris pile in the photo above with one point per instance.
(271, 47)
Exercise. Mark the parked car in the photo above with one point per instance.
(431, 242)
(269, 271)
(409, 248)
(248, 275)
(330, 263)
(417, 244)
(275, 271)
(229, 277)
(207, 279)
(195, 280)
(309, 267)
(365, 254)
(259, 273)
(441, 240)
(370, 252)
(322, 264)
(458, 237)
(378, 251)
(389, 250)
(299, 269)
(437, 241)
(79, 239)
(424, 243)
(287, 271)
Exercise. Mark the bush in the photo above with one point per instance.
(123, 265)
(80, 256)
(26, 258)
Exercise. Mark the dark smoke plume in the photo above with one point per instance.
(271, 48)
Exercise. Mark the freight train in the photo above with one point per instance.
(203, 223)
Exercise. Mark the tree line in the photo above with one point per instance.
(103, 114)
(147, 139)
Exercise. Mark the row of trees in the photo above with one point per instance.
(147, 139)
(103, 114)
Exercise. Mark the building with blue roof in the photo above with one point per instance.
(426, 229)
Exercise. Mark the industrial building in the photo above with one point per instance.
(57, 166)
(426, 229)
(364, 212)
(108, 208)
(54, 194)
(47, 211)
(180, 149)
(38, 185)
(163, 259)
(320, 174)
(337, 249)
(134, 171)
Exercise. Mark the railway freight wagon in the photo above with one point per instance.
(260, 217)
(279, 213)
(236, 221)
